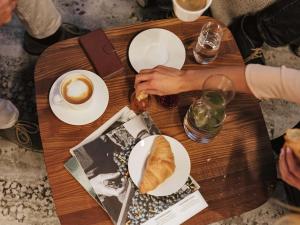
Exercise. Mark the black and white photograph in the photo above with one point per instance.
(104, 162)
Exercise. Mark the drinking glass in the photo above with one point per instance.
(208, 44)
(139, 106)
(205, 117)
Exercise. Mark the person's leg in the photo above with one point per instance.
(279, 24)
(9, 114)
(43, 24)
(293, 194)
(23, 133)
(40, 18)
(276, 25)
(156, 9)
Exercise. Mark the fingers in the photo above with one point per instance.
(6, 9)
(144, 86)
(148, 88)
(142, 77)
(293, 167)
(282, 164)
(154, 92)
(286, 175)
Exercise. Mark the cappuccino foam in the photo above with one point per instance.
(77, 89)
(192, 5)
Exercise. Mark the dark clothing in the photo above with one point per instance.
(279, 24)
(292, 193)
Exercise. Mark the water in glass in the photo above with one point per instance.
(208, 43)
(205, 117)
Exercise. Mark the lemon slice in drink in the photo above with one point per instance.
(200, 115)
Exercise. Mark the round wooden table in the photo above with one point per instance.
(235, 171)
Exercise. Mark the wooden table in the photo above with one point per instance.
(235, 171)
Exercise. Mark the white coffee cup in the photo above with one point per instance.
(75, 90)
(187, 15)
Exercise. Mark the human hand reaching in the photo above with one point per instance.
(100, 184)
(289, 167)
(6, 10)
(160, 80)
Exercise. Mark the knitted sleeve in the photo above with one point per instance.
(268, 82)
(226, 10)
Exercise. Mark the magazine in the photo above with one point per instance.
(103, 160)
(77, 172)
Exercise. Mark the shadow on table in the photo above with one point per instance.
(252, 169)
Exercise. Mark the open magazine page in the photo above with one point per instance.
(104, 162)
(73, 166)
(124, 115)
(77, 172)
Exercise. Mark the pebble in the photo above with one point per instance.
(10, 84)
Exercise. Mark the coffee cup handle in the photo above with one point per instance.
(57, 100)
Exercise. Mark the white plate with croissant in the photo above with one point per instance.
(159, 165)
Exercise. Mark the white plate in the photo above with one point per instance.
(88, 115)
(138, 157)
(155, 47)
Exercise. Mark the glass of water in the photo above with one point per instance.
(208, 44)
(205, 117)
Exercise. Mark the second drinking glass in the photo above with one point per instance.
(206, 115)
(208, 44)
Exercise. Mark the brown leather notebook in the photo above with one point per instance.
(101, 53)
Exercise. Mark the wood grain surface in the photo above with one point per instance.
(236, 170)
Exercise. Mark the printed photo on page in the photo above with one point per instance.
(104, 161)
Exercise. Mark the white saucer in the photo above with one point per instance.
(88, 115)
(138, 157)
(155, 47)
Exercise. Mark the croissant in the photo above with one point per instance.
(292, 140)
(159, 166)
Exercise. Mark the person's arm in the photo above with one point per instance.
(165, 81)
(268, 82)
(264, 82)
(6, 10)
(194, 79)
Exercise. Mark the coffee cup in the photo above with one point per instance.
(76, 91)
(190, 12)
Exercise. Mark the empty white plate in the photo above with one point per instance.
(154, 47)
(80, 117)
(138, 157)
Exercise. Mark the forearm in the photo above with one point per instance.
(194, 79)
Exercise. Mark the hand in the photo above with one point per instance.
(160, 80)
(6, 9)
(289, 167)
(100, 184)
